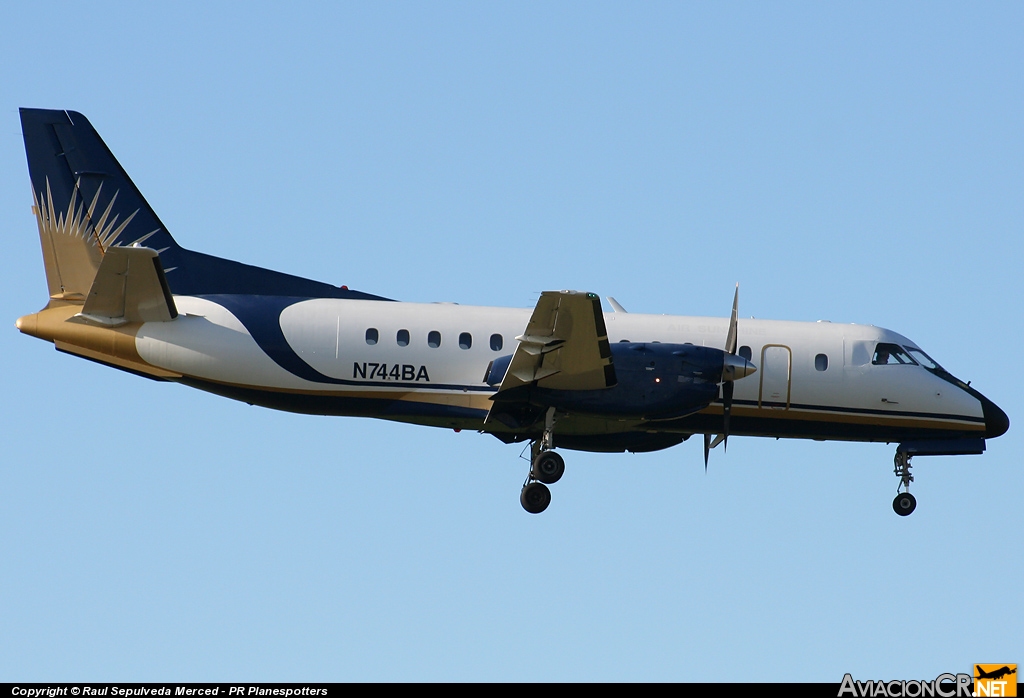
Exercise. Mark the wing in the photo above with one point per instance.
(565, 347)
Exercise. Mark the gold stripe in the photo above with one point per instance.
(456, 399)
(827, 416)
(140, 367)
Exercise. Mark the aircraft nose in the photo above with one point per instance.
(996, 421)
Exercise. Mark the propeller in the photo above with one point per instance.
(728, 385)
(733, 368)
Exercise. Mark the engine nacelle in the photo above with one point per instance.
(654, 380)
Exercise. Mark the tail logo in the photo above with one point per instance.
(74, 241)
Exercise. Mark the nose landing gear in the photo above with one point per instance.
(905, 503)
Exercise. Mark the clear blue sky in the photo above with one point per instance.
(858, 162)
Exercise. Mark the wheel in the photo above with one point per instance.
(548, 467)
(904, 504)
(535, 497)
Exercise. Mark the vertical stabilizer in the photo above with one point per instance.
(83, 201)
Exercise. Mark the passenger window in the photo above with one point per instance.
(372, 336)
(821, 362)
(746, 353)
(891, 355)
(434, 339)
(465, 340)
(403, 338)
(496, 342)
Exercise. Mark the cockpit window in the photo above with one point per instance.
(923, 358)
(891, 355)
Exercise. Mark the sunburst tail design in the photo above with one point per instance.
(74, 240)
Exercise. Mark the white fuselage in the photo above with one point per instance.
(358, 349)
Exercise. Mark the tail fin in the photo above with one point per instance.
(85, 203)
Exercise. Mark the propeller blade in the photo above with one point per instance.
(728, 386)
(727, 389)
(730, 339)
(732, 369)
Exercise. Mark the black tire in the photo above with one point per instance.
(548, 467)
(904, 504)
(535, 497)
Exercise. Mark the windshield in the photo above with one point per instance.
(891, 355)
(923, 358)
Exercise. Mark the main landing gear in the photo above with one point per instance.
(546, 468)
(905, 503)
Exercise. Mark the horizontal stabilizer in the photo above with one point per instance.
(129, 287)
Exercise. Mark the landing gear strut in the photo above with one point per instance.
(905, 503)
(546, 468)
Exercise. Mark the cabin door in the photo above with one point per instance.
(776, 371)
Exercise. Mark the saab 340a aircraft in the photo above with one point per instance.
(564, 375)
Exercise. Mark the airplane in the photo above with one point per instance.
(995, 674)
(563, 375)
